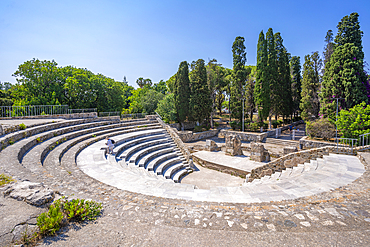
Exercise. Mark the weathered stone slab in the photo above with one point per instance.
(288, 150)
(33, 193)
(233, 145)
(259, 153)
(211, 146)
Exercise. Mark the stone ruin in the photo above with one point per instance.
(259, 153)
(233, 145)
(211, 146)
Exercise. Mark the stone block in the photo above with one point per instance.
(233, 145)
(259, 153)
(293, 162)
(211, 146)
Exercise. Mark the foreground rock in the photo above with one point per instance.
(32, 193)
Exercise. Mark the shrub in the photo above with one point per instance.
(275, 123)
(22, 126)
(49, 222)
(322, 128)
(355, 121)
(80, 210)
(254, 127)
(235, 125)
(197, 129)
(4, 179)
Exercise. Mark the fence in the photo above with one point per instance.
(109, 113)
(86, 110)
(345, 145)
(32, 110)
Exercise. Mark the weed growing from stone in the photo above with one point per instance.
(38, 139)
(11, 142)
(22, 126)
(4, 179)
(62, 211)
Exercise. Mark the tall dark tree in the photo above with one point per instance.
(329, 46)
(182, 93)
(284, 84)
(295, 66)
(310, 105)
(272, 74)
(344, 73)
(239, 77)
(262, 86)
(200, 100)
(250, 105)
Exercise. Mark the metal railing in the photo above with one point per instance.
(109, 113)
(86, 110)
(346, 145)
(364, 141)
(32, 110)
(133, 116)
(156, 113)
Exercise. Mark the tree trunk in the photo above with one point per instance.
(270, 121)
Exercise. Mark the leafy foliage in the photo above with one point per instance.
(80, 209)
(166, 108)
(321, 128)
(355, 121)
(295, 66)
(22, 126)
(50, 222)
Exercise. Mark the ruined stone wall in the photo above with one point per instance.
(189, 136)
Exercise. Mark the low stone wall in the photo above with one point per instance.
(184, 150)
(221, 168)
(293, 159)
(244, 136)
(189, 136)
(63, 116)
(306, 143)
(187, 126)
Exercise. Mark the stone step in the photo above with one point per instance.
(166, 164)
(152, 165)
(145, 159)
(136, 156)
(173, 169)
(282, 142)
(133, 149)
(179, 174)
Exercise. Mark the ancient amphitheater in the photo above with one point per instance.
(321, 202)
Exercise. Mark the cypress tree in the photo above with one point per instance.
(272, 74)
(283, 92)
(182, 93)
(310, 86)
(239, 77)
(329, 47)
(344, 75)
(262, 88)
(200, 100)
(295, 66)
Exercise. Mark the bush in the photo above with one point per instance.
(235, 125)
(254, 127)
(355, 121)
(80, 210)
(197, 129)
(322, 128)
(275, 123)
(49, 222)
(22, 126)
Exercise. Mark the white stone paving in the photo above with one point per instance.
(332, 171)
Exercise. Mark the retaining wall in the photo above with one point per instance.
(63, 116)
(189, 136)
(306, 143)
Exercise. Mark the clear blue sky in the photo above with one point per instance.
(150, 38)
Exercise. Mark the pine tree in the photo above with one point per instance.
(200, 100)
(344, 75)
(182, 92)
(310, 86)
(239, 77)
(262, 88)
(295, 66)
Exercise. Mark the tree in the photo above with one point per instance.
(216, 82)
(310, 86)
(262, 87)
(329, 46)
(182, 93)
(295, 66)
(283, 92)
(141, 82)
(41, 82)
(150, 101)
(160, 87)
(249, 91)
(272, 74)
(239, 77)
(200, 100)
(344, 75)
(166, 108)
